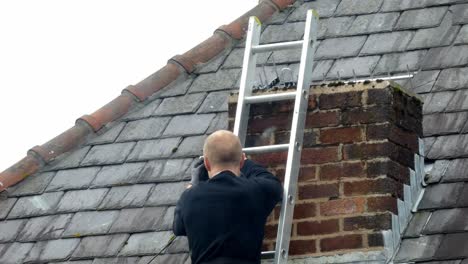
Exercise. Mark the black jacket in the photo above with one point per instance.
(225, 216)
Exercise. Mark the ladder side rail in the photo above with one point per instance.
(247, 79)
(296, 139)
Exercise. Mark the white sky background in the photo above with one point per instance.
(61, 59)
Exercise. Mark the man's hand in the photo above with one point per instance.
(199, 172)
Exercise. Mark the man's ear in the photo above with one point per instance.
(207, 164)
(242, 162)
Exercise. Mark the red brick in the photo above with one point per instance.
(367, 150)
(341, 242)
(309, 140)
(305, 210)
(340, 100)
(301, 247)
(270, 159)
(371, 222)
(340, 135)
(366, 187)
(318, 227)
(377, 114)
(323, 119)
(375, 240)
(280, 122)
(379, 96)
(395, 134)
(382, 204)
(343, 207)
(307, 174)
(313, 191)
(271, 231)
(342, 170)
(389, 168)
(319, 155)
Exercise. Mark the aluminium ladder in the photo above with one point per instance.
(300, 96)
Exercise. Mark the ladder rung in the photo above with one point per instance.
(268, 254)
(277, 46)
(266, 149)
(269, 98)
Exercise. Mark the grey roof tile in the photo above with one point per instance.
(436, 196)
(163, 171)
(351, 7)
(398, 5)
(417, 223)
(421, 18)
(15, 253)
(219, 122)
(387, 42)
(5, 207)
(164, 259)
(281, 33)
(437, 102)
(168, 219)
(446, 57)
(75, 262)
(462, 37)
(90, 223)
(338, 26)
(32, 185)
(108, 136)
(325, 8)
(459, 101)
(321, 68)
(340, 47)
(180, 245)
(181, 104)
(190, 147)
(100, 246)
(73, 179)
(52, 250)
(10, 230)
(145, 111)
(452, 79)
(79, 200)
(444, 262)
(221, 80)
(281, 16)
(35, 205)
(166, 194)
(422, 82)
(456, 171)
(438, 171)
(154, 149)
(442, 35)
(362, 66)
(444, 123)
(118, 175)
(143, 129)
(69, 160)
(126, 196)
(214, 64)
(460, 13)
(422, 248)
(145, 243)
(428, 143)
(400, 62)
(179, 87)
(184, 125)
(151, 172)
(373, 23)
(452, 146)
(236, 58)
(139, 220)
(215, 102)
(463, 199)
(451, 220)
(117, 260)
(44, 228)
(453, 246)
(108, 154)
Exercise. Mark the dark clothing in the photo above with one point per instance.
(225, 216)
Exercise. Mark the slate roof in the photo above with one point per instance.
(112, 199)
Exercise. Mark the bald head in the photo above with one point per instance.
(223, 149)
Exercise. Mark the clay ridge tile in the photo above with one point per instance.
(222, 39)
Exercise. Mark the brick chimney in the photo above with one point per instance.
(361, 171)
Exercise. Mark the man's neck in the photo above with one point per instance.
(216, 171)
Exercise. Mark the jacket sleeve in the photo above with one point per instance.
(269, 184)
(178, 226)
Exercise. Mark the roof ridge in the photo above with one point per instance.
(223, 38)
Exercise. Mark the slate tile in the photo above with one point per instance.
(215, 102)
(387, 42)
(73, 179)
(452, 79)
(184, 125)
(463, 200)
(52, 250)
(442, 35)
(444, 262)
(428, 143)
(398, 5)
(236, 58)
(421, 18)
(436, 196)
(75, 262)
(456, 171)
(462, 37)
(417, 223)
(126, 196)
(74, 201)
(108, 136)
(453, 246)
(154, 149)
(5, 207)
(340, 47)
(90, 223)
(447, 221)
(180, 245)
(444, 123)
(68, 160)
(32, 185)
(167, 220)
(437, 102)
(15, 253)
(166, 194)
(145, 243)
(221, 80)
(282, 33)
(150, 128)
(190, 147)
(118, 260)
(446, 57)
(325, 8)
(438, 170)
(108, 154)
(400, 62)
(422, 248)
(459, 101)
(44, 228)
(214, 64)
(10, 230)
(337, 26)
(362, 66)
(460, 13)
(100, 246)
(452, 146)
(164, 259)
(176, 88)
(139, 220)
(145, 111)
(164, 171)
(151, 172)
(422, 82)
(118, 175)
(279, 18)
(373, 23)
(220, 122)
(351, 7)
(35, 205)
(181, 104)
(321, 68)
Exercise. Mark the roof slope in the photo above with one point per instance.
(114, 195)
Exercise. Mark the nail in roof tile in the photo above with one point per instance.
(44, 228)
(387, 42)
(108, 154)
(90, 223)
(145, 243)
(436, 196)
(184, 125)
(100, 246)
(35, 205)
(139, 220)
(150, 128)
(180, 105)
(351, 7)
(74, 201)
(325, 8)
(73, 179)
(126, 196)
(118, 175)
(154, 149)
(32, 185)
(340, 47)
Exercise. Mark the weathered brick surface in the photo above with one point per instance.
(372, 222)
(341, 242)
(342, 170)
(343, 206)
(341, 135)
(318, 227)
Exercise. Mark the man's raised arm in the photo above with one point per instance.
(268, 182)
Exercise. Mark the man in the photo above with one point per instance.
(224, 216)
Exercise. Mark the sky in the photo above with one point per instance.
(62, 59)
